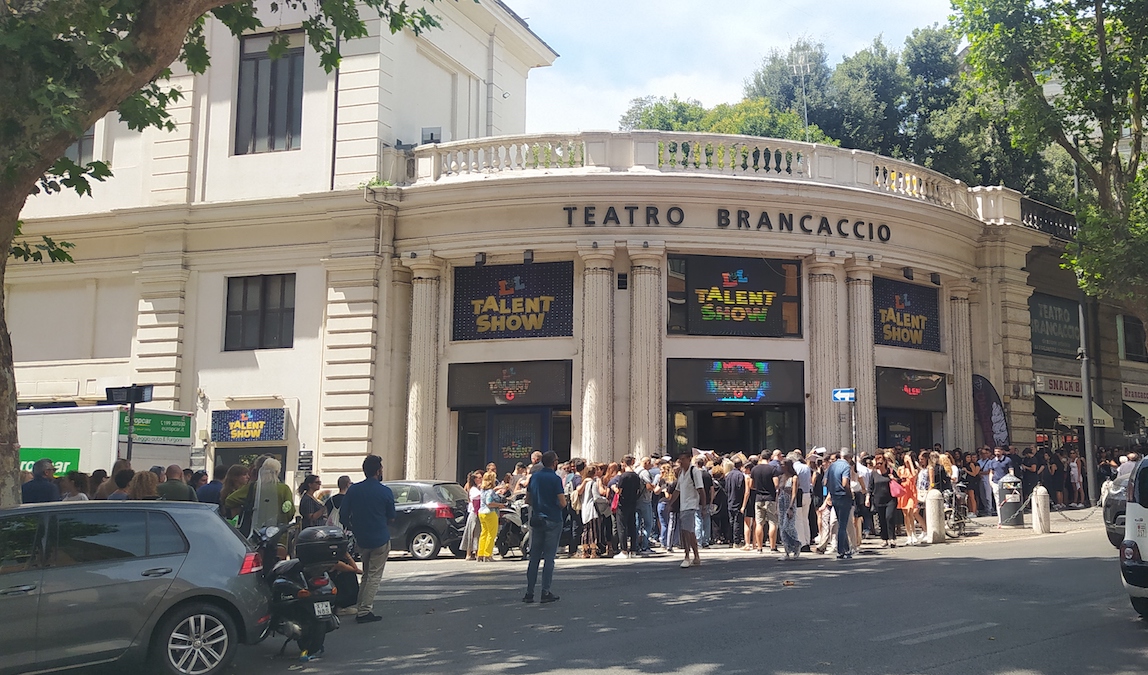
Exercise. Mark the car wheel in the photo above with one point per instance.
(424, 545)
(1115, 538)
(196, 639)
(1141, 606)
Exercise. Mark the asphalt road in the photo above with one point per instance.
(1050, 604)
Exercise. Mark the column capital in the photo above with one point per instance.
(646, 252)
(960, 290)
(599, 254)
(861, 267)
(423, 264)
(824, 261)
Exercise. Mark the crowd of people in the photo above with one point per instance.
(773, 502)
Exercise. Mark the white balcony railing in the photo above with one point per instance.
(688, 153)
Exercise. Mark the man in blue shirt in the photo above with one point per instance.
(998, 467)
(368, 509)
(547, 502)
(837, 479)
(41, 488)
(209, 494)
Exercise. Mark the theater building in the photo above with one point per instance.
(596, 294)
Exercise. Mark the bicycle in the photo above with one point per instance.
(956, 511)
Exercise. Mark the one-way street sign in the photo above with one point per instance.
(844, 395)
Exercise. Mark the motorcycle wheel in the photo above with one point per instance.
(525, 545)
(313, 638)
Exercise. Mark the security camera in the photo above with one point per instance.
(1080, 353)
(506, 94)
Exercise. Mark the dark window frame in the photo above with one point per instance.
(82, 152)
(248, 328)
(258, 117)
(1135, 339)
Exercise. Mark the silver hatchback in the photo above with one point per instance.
(125, 581)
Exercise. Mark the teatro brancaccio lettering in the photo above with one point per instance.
(630, 215)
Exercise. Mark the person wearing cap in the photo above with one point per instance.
(804, 494)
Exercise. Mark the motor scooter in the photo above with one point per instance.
(513, 527)
(302, 594)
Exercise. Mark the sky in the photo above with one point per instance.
(612, 52)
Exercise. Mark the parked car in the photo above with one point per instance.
(1113, 503)
(429, 515)
(169, 583)
(1133, 566)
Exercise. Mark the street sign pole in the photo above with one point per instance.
(853, 420)
(131, 428)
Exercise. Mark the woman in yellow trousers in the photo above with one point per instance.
(488, 516)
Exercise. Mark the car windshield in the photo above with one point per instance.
(450, 492)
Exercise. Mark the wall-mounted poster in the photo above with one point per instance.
(750, 297)
(514, 301)
(905, 315)
(1055, 325)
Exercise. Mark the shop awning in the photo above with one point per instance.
(1140, 408)
(1070, 411)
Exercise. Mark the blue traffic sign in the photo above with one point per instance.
(844, 395)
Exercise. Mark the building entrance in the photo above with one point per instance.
(748, 430)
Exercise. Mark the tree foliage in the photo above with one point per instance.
(1078, 72)
(68, 63)
(750, 117)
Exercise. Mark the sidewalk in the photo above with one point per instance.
(1069, 520)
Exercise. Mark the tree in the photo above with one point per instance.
(797, 80)
(664, 114)
(868, 90)
(932, 73)
(67, 64)
(751, 117)
(1079, 74)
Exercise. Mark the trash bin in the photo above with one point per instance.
(1009, 500)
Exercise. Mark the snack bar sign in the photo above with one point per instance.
(514, 301)
(249, 426)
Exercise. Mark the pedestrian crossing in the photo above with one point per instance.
(937, 631)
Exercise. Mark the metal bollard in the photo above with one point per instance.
(1040, 511)
(935, 517)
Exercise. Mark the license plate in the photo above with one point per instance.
(322, 609)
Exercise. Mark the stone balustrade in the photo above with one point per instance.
(689, 153)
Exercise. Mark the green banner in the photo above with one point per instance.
(157, 428)
(65, 459)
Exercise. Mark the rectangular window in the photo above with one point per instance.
(81, 152)
(270, 101)
(98, 536)
(19, 551)
(1134, 348)
(260, 312)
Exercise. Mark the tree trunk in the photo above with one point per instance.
(12, 198)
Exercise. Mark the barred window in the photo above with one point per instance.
(260, 312)
(270, 102)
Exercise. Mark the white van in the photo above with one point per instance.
(1133, 566)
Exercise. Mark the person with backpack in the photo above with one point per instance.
(335, 501)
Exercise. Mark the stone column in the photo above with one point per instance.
(824, 353)
(862, 373)
(960, 349)
(647, 329)
(422, 385)
(597, 350)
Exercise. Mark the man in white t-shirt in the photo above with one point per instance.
(689, 496)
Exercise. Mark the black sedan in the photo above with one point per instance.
(429, 515)
(1114, 501)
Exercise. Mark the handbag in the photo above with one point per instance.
(614, 501)
(602, 505)
(896, 489)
